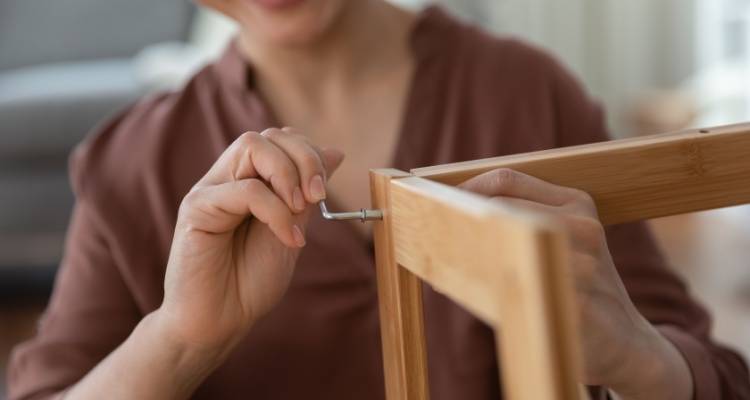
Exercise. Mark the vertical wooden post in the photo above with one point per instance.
(400, 304)
(538, 341)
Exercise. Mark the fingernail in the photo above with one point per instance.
(299, 238)
(298, 199)
(317, 189)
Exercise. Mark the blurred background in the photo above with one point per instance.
(65, 65)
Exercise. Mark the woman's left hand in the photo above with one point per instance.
(621, 349)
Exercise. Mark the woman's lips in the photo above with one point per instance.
(278, 4)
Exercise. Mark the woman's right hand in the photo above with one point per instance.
(238, 234)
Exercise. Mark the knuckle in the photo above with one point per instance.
(583, 197)
(272, 133)
(589, 232)
(190, 203)
(247, 142)
(248, 138)
(504, 177)
(290, 130)
(191, 198)
(593, 228)
(252, 187)
(295, 135)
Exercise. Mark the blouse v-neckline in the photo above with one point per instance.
(410, 141)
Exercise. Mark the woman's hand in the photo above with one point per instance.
(236, 241)
(238, 235)
(622, 350)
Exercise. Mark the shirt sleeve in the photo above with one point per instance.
(90, 313)
(718, 372)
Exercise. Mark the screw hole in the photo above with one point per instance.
(704, 131)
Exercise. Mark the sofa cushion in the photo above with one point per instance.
(46, 110)
(41, 31)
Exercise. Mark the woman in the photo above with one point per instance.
(169, 290)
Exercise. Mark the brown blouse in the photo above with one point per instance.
(472, 96)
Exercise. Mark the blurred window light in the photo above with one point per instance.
(721, 84)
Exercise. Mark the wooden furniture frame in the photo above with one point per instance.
(508, 266)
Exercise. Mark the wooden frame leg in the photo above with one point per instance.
(400, 299)
(538, 342)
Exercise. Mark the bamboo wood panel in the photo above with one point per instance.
(400, 306)
(506, 266)
(539, 339)
(634, 179)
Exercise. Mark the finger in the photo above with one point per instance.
(510, 183)
(229, 167)
(253, 155)
(308, 162)
(332, 157)
(529, 205)
(221, 208)
(586, 233)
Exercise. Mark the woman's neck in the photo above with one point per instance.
(366, 40)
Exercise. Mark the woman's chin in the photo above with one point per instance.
(293, 38)
(291, 24)
(278, 5)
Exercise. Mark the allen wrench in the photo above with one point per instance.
(362, 215)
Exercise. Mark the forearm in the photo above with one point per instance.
(148, 365)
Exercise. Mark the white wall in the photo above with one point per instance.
(620, 48)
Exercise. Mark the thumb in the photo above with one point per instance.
(332, 159)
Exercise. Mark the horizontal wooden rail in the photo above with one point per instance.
(635, 179)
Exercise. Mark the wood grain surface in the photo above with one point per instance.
(400, 305)
(503, 264)
(640, 178)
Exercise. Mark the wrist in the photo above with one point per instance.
(654, 370)
(202, 335)
(191, 359)
(148, 365)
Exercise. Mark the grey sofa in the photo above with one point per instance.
(64, 66)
